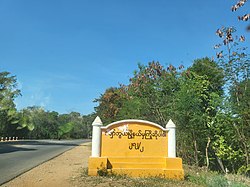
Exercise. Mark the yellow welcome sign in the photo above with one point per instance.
(136, 148)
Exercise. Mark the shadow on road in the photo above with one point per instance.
(5, 148)
(39, 142)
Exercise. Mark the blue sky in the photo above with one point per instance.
(65, 53)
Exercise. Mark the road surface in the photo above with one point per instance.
(20, 156)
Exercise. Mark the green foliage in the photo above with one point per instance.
(102, 171)
(44, 124)
(224, 151)
(25, 120)
(8, 92)
(64, 129)
(154, 87)
(217, 181)
(110, 104)
(197, 104)
(212, 71)
(192, 115)
(240, 99)
(35, 122)
(244, 170)
(149, 95)
(197, 179)
(208, 130)
(235, 61)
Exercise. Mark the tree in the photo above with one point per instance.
(196, 106)
(80, 125)
(153, 86)
(8, 92)
(213, 72)
(44, 124)
(86, 126)
(240, 101)
(211, 104)
(110, 104)
(149, 95)
(64, 130)
(235, 61)
(73, 125)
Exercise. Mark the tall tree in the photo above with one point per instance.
(153, 86)
(240, 103)
(44, 124)
(213, 72)
(110, 104)
(8, 92)
(234, 59)
(149, 95)
(195, 109)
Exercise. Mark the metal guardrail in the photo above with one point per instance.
(4, 139)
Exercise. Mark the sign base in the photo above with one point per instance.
(164, 167)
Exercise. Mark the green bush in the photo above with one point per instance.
(217, 181)
(244, 170)
(234, 184)
(196, 178)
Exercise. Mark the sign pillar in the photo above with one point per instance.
(96, 137)
(171, 139)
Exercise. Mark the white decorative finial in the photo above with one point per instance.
(97, 121)
(170, 124)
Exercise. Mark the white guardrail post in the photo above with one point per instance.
(96, 137)
(171, 139)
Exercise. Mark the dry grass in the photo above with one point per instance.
(194, 177)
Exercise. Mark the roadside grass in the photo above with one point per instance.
(202, 177)
(194, 177)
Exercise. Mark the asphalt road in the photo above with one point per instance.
(20, 156)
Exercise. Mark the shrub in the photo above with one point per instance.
(217, 181)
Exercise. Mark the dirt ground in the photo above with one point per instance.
(70, 170)
(62, 171)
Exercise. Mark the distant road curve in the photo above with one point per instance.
(17, 157)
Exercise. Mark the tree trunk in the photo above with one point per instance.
(196, 153)
(221, 164)
(244, 144)
(207, 158)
